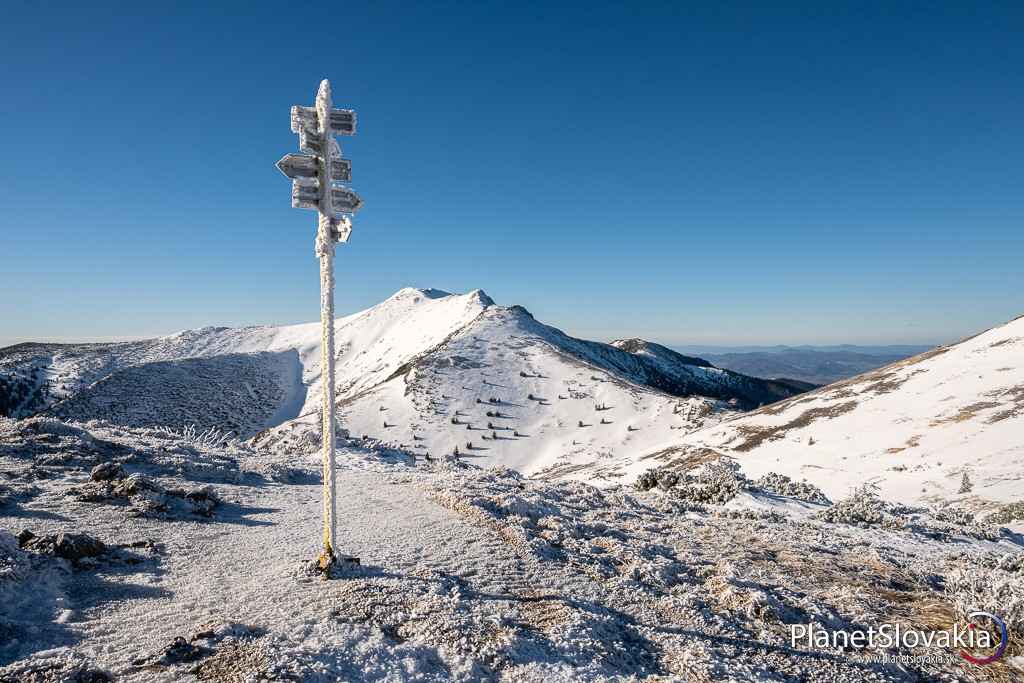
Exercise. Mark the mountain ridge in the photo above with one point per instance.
(408, 371)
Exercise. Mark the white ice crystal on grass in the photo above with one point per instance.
(714, 482)
(210, 437)
(784, 486)
(994, 590)
(719, 481)
(864, 507)
(1005, 514)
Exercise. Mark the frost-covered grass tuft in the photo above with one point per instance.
(719, 481)
(864, 507)
(991, 589)
(714, 482)
(784, 486)
(190, 434)
(1007, 514)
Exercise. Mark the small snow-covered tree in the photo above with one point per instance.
(965, 484)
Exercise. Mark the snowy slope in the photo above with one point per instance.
(418, 370)
(239, 393)
(76, 380)
(544, 385)
(563, 406)
(913, 427)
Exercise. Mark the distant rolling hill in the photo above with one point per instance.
(816, 366)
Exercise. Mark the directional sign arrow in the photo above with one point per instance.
(305, 194)
(343, 122)
(311, 142)
(341, 169)
(303, 118)
(305, 166)
(298, 166)
(344, 200)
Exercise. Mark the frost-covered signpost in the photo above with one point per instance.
(316, 177)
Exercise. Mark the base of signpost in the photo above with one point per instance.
(329, 566)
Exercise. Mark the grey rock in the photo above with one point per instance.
(106, 471)
(79, 549)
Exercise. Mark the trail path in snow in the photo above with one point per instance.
(243, 567)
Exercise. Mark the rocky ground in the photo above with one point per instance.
(155, 555)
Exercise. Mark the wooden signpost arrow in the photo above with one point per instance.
(298, 166)
(315, 176)
(345, 200)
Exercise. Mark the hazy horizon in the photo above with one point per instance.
(694, 345)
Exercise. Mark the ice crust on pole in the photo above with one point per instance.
(315, 176)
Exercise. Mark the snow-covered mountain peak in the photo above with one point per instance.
(434, 300)
(481, 296)
(406, 293)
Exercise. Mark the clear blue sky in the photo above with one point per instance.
(723, 174)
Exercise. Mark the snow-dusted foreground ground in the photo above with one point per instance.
(467, 574)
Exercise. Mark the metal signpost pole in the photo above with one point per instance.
(315, 185)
